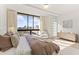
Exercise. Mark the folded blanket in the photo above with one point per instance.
(42, 47)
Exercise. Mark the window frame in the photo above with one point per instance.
(28, 22)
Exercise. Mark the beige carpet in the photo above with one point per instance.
(67, 48)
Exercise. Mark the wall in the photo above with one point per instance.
(28, 10)
(75, 18)
(2, 19)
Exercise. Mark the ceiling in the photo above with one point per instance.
(59, 9)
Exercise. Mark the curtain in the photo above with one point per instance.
(42, 23)
(11, 20)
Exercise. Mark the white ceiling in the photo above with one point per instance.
(59, 9)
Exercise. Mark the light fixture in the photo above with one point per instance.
(11, 29)
(45, 6)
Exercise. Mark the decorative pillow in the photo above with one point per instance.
(5, 43)
(44, 34)
(9, 33)
(15, 40)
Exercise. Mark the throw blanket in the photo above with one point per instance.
(41, 47)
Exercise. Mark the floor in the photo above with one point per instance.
(67, 47)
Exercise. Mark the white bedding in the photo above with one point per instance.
(23, 47)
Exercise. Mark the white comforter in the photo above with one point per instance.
(22, 49)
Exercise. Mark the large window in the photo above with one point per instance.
(36, 22)
(21, 20)
(30, 22)
(25, 21)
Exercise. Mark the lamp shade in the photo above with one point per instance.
(11, 29)
(45, 6)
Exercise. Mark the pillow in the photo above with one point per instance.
(44, 34)
(9, 33)
(5, 43)
(15, 40)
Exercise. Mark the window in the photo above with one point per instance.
(36, 23)
(21, 20)
(25, 21)
(30, 22)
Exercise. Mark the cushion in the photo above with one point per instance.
(15, 40)
(9, 33)
(5, 43)
(44, 34)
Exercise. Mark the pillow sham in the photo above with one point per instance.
(5, 43)
(15, 40)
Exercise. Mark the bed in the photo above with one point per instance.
(32, 45)
(40, 47)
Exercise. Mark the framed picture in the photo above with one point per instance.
(67, 23)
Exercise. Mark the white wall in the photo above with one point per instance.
(2, 19)
(28, 9)
(74, 16)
